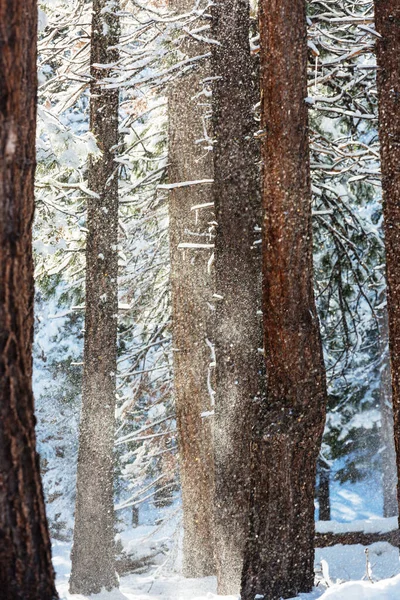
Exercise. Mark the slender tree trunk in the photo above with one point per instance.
(191, 286)
(388, 454)
(238, 335)
(26, 572)
(279, 557)
(323, 491)
(93, 550)
(387, 19)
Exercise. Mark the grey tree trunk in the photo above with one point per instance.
(191, 287)
(279, 557)
(26, 572)
(238, 335)
(387, 20)
(388, 454)
(93, 550)
(323, 490)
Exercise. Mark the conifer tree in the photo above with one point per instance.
(279, 556)
(387, 20)
(238, 331)
(26, 572)
(191, 287)
(93, 550)
(388, 452)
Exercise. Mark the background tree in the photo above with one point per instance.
(323, 489)
(389, 470)
(279, 557)
(144, 374)
(238, 332)
(93, 560)
(387, 20)
(190, 228)
(26, 571)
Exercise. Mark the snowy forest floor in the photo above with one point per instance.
(341, 574)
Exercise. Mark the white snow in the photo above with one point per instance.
(378, 525)
(341, 573)
(388, 589)
(172, 186)
(194, 245)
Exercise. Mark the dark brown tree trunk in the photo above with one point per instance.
(388, 454)
(238, 335)
(387, 20)
(279, 557)
(26, 572)
(93, 560)
(323, 491)
(351, 538)
(191, 286)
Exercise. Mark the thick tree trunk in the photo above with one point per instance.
(191, 286)
(280, 551)
(93, 551)
(26, 572)
(387, 19)
(388, 454)
(238, 335)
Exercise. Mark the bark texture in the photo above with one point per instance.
(279, 556)
(387, 20)
(191, 287)
(93, 555)
(26, 572)
(238, 335)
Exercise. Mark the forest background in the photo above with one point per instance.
(348, 240)
(151, 67)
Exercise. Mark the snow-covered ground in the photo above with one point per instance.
(374, 525)
(342, 573)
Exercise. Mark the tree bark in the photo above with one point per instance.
(191, 287)
(93, 554)
(388, 454)
(279, 557)
(26, 572)
(238, 335)
(387, 20)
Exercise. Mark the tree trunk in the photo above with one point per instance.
(93, 551)
(238, 335)
(388, 454)
(279, 556)
(387, 20)
(26, 572)
(323, 491)
(191, 286)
